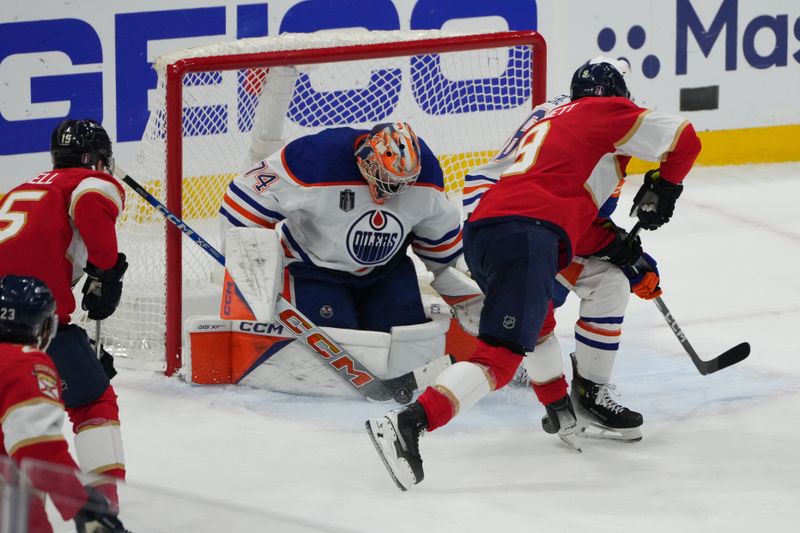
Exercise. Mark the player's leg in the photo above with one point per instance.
(323, 296)
(515, 263)
(545, 370)
(391, 297)
(604, 291)
(91, 405)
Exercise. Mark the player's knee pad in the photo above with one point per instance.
(501, 362)
(416, 345)
(544, 364)
(464, 384)
(82, 374)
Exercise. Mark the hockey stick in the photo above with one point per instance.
(724, 360)
(321, 345)
(98, 349)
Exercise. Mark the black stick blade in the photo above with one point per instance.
(730, 357)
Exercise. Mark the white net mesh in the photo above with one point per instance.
(463, 104)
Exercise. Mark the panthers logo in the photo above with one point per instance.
(375, 237)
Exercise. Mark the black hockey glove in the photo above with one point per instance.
(103, 289)
(96, 516)
(655, 201)
(106, 360)
(622, 251)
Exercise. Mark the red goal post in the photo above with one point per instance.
(216, 102)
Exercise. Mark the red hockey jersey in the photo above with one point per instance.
(52, 224)
(566, 165)
(31, 419)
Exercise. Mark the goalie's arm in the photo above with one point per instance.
(260, 198)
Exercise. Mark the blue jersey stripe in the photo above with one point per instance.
(232, 219)
(442, 260)
(473, 199)
(253, 204)
(604, 319)
(295, 246)
(479, 177)
(596, 344)
(447, 236)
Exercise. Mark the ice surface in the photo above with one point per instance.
(719, 453)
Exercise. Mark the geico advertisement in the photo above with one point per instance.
(93, 58)
(723, 63)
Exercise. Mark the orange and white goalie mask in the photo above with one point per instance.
(389, 159)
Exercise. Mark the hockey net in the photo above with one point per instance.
(219, 108)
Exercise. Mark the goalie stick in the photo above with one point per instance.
(321, 345)
(724, 360)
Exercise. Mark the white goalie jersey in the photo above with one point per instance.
(312, 193)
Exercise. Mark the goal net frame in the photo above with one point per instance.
(175, 69)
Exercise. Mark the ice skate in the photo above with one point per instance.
(396, 438)
(560, 419)
(599, 415)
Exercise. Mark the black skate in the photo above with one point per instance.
(396, 438)
(560, 419)
(597, 410)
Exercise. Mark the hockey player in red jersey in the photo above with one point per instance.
(607, 267)
(31, 412)
(56, 227)
(525, 230)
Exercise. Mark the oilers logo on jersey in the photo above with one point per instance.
(374, 237)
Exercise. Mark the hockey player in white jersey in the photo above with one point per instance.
(347, 204)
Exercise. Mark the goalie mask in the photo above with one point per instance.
(601, 76)
(27, 311)
(389, 159)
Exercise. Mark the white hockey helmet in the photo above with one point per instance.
(389, 159)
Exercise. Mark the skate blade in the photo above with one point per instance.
(571, 440)
(375, 430)
(595, 431)
(569, 435)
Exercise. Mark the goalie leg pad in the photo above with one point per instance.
(414, 346)
(255, 263)
(287, 366)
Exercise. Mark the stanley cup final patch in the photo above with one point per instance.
(347, 200)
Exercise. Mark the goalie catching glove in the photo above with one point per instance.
(103, 289)
(654, 203)
(463, 295)
(644, 278)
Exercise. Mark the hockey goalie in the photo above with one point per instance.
(336, 213)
